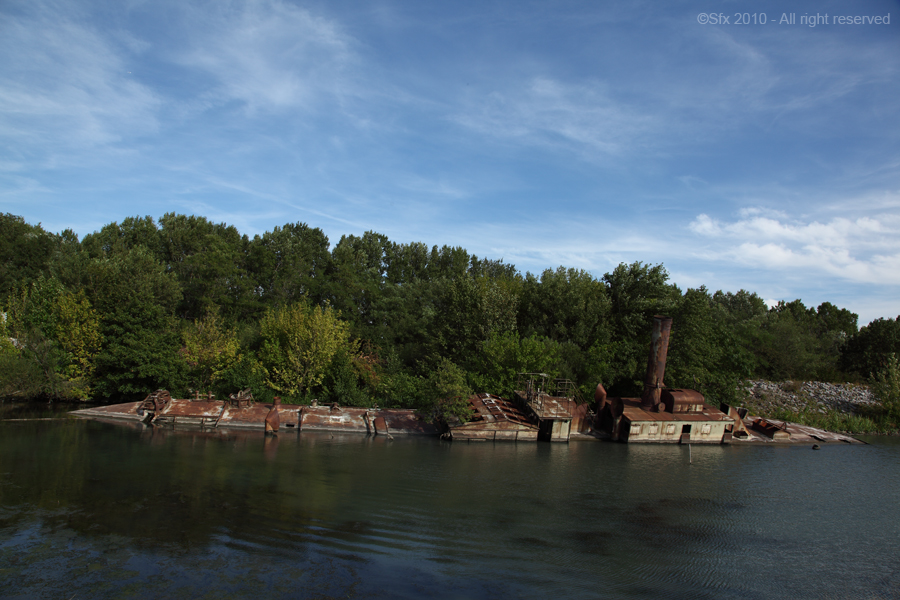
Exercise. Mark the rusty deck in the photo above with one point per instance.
(494, 418)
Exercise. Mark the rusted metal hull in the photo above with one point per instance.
(222, 414)
(397, 421)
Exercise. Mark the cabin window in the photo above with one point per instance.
(670, 428)
(706, 429)
(654, 429)
(635, 429)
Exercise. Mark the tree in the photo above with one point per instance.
(469, 311)
(209, 261)
(135, 299)
(299, 341)
(115, 239)
(209, 350)
(703, 351)
(449, 393)
(58, 332)
(403, 320)
(741, 306)
(19, 377)
(867, 351)
(407, 263)
(504, 355)
(637, 292)
(78, 334)
(567, 305)
(25, 252)
(288, 263)
(357, 277)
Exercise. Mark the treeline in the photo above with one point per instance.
(191, 305)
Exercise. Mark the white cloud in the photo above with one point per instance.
(864, 249)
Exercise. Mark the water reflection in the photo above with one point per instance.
(105, 509)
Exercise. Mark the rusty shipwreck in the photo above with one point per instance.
(542, 409)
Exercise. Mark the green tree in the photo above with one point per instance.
(78, 334)
(58, 333)
(403, 320)
(19, 377)
(357, 277)
(299, 342)
(350, 378)
(470, 310)
(796, 342)
(567, 305)
(448, 390)
(289, 263)
(25, 252)
(868, 350)
(209, 350)
(114, 239)
(399, 387)
(135, 299)
(209, 261)
(505, 354)
(703, 349)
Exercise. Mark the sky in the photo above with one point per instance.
(744, 145)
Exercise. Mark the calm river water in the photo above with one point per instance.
(94, 510)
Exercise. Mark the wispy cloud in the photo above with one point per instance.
(65, 87)
(545, 111)
(268, 54)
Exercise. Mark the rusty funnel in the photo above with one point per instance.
(656, 363)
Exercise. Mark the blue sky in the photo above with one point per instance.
(584, 134)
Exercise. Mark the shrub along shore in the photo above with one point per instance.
(187, 304)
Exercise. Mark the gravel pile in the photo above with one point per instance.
(810, 395)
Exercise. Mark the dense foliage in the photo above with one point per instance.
(188, 304)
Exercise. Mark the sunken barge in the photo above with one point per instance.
(240, 411)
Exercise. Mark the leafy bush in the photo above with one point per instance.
(449, 392)
(342, 382)
(505, 355)
(886, 389)
(832, 421)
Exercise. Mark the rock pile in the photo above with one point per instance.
(808, 396)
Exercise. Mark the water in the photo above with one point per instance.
(94, 510)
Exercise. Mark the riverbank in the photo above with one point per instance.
(839, 407)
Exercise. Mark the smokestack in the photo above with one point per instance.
(656, 363)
